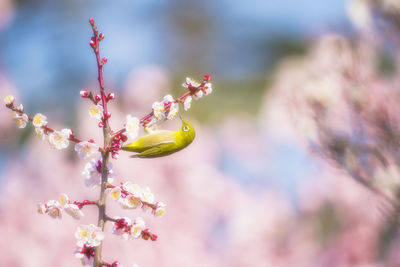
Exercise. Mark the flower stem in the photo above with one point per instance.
(105, 154)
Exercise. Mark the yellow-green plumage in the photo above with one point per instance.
(162, 143)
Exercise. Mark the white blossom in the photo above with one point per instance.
(42, 209)
(208, 88)
(86, 149)
(54, 209)
(64, 200)
(21, 119)
(173, 111)
(132, 188)
(198, 95)
(59, 139)
(9, 99)
(190, 83)
(92, 172)
(138, 226)
(96, 111)
(73, 211)
(158, 110)
(159, 210)
(39, 120)
(121, 228)
(85, 254)
(187, 102)
(89, 235)
(132, 126)
(40, 133)
(147, 196)
(131, 202)
(115, 193)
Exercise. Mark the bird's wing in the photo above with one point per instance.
(156, 151)
(159, 137)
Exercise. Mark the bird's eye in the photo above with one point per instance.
(185, 128)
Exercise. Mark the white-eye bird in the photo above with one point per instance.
(162, 142)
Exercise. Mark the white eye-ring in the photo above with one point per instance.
(185, 128)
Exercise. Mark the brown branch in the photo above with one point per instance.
(105, 154)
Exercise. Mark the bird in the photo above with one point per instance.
(161, 143)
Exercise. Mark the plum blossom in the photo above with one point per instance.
(126, 229)
(39, 120)
(42, 208)
(190, 83)
(159, 210)
(92, 172)
(130, 202)
(54, 209)
(21, 119)
(115, 193)
(187, 103)
(132, 188)
(91, 235)
(59, 139)
(40, 133)
(122, 227)
(73, 211)
(158, 110)
(8, 100)
(86, 254)
(138, 226)
(64, 200)
(132, 126)
(207, 89)
(96, 111)
(86, 149)
(147, 196)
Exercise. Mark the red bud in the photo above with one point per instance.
(207, 77)
(84, 93)
(91, 21)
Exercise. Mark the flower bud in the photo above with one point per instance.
(104, 60)
(97, 98)
(207, 77)
(92, 43)
(110, 96)
(101, 124)
(84, 93)
(91, 21)
(101, 36)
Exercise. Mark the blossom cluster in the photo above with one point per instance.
(128, 229)
(132, 196)
(88, 237)
(55, 208)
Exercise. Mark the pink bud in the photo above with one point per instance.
(124, 138)
(101, 124)
(97, 98)
(91, 21)
(101, 36)
(110, 96)
(115, 264)
(115, 155)
(104, 60)
(108, 114)
(91, 141)
(207, 77)
(92, 43)
(153, 237)
(84, 93)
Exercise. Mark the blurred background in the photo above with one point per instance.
(295, 162)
